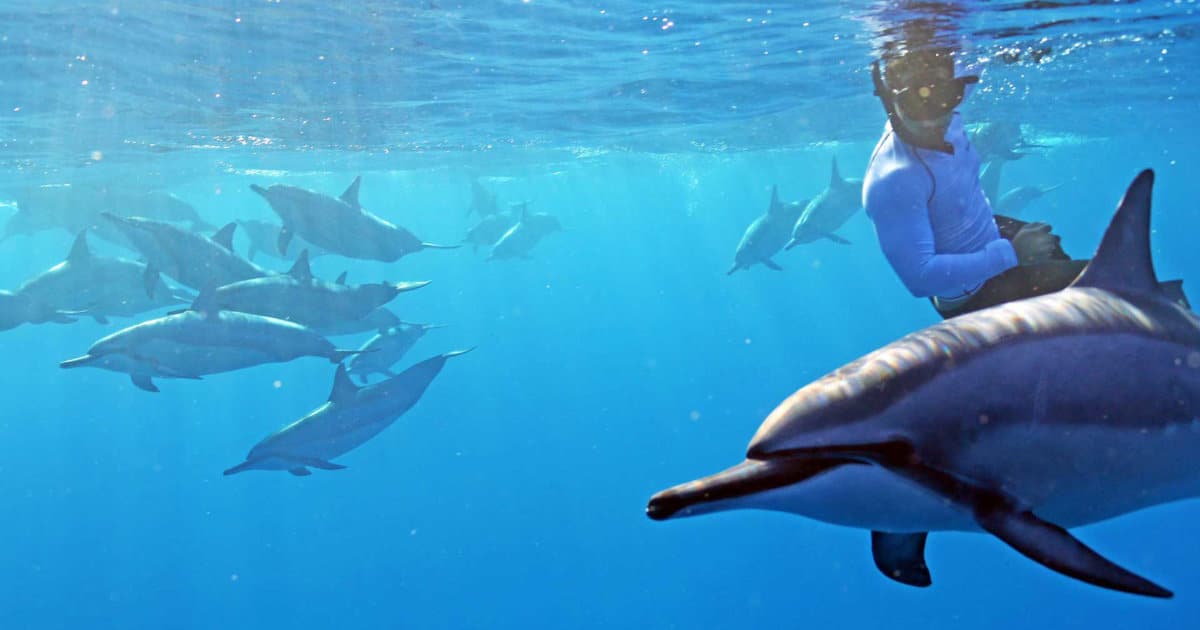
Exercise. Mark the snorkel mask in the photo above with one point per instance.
(927, 96)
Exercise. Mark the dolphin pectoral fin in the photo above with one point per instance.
(143, 382)
(285, 237)
(300, 471)
(901, 557)
(1056, 549)
(150, 280)
(771, 264)
(100, 319)
(837, 239)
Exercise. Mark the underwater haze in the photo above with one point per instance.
(611, 359)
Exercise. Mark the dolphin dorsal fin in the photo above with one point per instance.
(341, 279)
(79, 250)
(343, 388)
(300, 269)
(351, 194)
(206, 301)
(224, 236)
(774, 199)
(1123, 260)
(835, 177)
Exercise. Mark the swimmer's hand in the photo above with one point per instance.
(1034, 243)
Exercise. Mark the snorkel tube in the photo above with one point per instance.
(889, 105)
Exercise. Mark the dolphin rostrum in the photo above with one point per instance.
(350, 417)
(339, 225)
(299, 297)
(828, 211)
(1021, 420)
(767, 234)
(201, 341)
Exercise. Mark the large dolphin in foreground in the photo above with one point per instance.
(767, 234)
(99, 286)
(1022, 420)
(299, 297)
(339, 225)
(191, 259)
(351, 416)
(203, 341)
(828, 211)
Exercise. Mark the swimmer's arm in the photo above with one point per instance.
(902, 226)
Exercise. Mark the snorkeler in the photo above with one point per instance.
(932, 219)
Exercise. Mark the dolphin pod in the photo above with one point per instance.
(202, 341)
(299, 297)
(1021, 421)
(339, 225)
(350, 417)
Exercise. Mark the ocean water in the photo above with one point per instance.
(615, 362)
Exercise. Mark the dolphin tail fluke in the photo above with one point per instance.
(901, 557)
(437, 246)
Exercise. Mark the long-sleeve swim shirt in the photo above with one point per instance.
(932, 219)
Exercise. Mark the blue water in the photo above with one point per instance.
(618, 361)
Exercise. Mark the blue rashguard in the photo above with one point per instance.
(933, 221)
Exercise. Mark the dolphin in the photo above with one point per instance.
(17, 309)
(381, 352)
(193, 260)
(490, 228)
(263, 235)
(1022, 420)
(767, 234)
(350, 417)
(828, 211)
(530, 229)
(76, 207)
(1015, 201)
(201, 341)
(1000, 140)
(99, 286)
(339, 226)
(299, 297)
(483, 201)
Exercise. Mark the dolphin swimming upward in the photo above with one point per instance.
(1021, 421)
